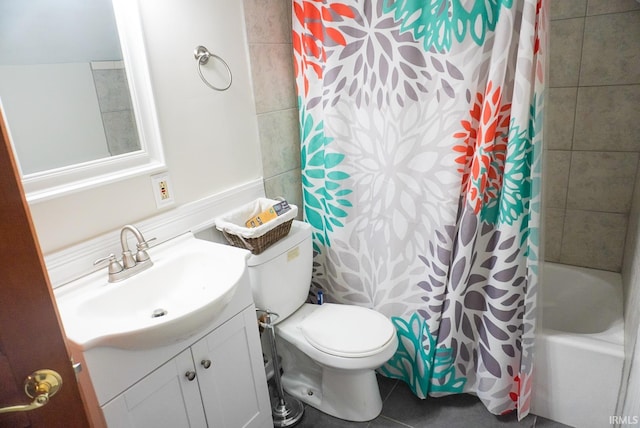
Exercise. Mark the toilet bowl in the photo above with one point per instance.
(329, 352)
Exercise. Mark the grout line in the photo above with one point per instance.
(613, 12)
(398, 422)
(591, 151)
(391, 390)
(575, 111)
(280, 110)
(594, 85)
(587, 15)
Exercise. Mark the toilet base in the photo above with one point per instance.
(349, 396)
(352, 395)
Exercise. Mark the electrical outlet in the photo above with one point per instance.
(162, 189)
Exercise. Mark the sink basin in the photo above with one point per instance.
(189, 284)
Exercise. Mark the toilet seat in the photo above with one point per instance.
(347, 331)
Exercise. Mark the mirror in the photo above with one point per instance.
(76, 94)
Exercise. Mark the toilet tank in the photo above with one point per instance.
(281, 275)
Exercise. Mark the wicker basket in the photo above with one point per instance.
(261, 243)
(259, 238)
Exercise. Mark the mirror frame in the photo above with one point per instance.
(49, 184)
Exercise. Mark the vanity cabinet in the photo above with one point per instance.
(162, 399)
(218, 381)
(149, 387)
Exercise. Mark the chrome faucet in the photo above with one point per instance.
(128, 260)
(130, 264)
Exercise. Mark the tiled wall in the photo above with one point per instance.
(115, 107)
(593, 134)
(268, 25)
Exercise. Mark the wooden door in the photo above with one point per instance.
(30, 329)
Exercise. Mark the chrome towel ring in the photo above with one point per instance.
(202, 56)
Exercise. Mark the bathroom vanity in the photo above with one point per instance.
(213, 379)
(209, 376)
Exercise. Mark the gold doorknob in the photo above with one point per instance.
(40, 385)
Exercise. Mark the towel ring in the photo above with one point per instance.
(202, 56)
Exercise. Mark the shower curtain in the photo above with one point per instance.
(421, 129)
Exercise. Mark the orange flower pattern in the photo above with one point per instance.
(483, 150)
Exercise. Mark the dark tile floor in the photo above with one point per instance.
(402, 409)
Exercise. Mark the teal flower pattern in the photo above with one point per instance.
(437, 22)
(516, 190)
(419, 362)
(325, 199)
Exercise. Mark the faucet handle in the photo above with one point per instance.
(114, 265)
(144, 245)
(142, 255)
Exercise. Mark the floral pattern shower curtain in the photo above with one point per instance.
(421, 125)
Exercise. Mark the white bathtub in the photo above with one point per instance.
(579, 346)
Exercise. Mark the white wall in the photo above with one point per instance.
(210, 138)
(630, 407)
(48, 31)
(630, 391)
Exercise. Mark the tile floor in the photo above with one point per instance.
(401, 409)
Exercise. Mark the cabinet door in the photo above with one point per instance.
(165, 398)
(234, 387)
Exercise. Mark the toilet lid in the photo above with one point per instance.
(347, 331)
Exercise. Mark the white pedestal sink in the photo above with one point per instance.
(190, 283)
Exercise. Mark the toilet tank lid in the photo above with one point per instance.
(298, 233)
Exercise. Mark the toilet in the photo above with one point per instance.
(329, 352)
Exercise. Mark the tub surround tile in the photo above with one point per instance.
(553, 226)
(272, 74)
(556, 171)
(118, 118)
(602, 181)
(565, 50)
(597, 7)
(594, 239)
(121, 132)
(268, 21)
(112, 89)
(279, 137)
(561, 113)
(611, 49)
(607, 118)
(568, 9)
(287, 185)
(268, 28)
(595, 49)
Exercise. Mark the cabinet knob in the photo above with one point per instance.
(206, 363)
(191, 375)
